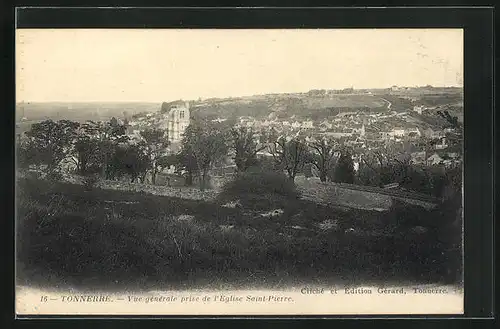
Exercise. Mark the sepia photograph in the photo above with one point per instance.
(239, 172)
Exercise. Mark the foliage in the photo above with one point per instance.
(308, 171)
(155, 146)
(186, 164)
(87, 154)
(203, 144)
(90, 181)
(49, 142)
(71, 236)
(260, 190)
(129, 160)
(451, 120)
(97, 142)
(344, 171)
(166, 161)
(24, 154)
(245, 147)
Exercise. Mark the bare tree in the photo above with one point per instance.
(289, 155)
(322, 156)
(206, 144)
(245, 147)
(155, 144)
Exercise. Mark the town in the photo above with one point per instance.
(415, 132)
(364, 167)
(199, 162)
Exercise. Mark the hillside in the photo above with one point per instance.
(273, 106)
(122, 239)
(286, 105)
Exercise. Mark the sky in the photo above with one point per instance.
(79, 65)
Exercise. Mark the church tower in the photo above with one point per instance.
(178, 120)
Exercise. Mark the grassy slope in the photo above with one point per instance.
(110, 239)
(303, 106)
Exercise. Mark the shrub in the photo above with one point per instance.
(90, 181)
(260, 190)
(437, 251)
(54, 176)
(344, 171)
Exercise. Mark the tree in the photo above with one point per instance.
(155, 145)
(105, 136)
(165, 107)
(289, 155)
(165, 162)
(186, 164)
(86, 151)
(24, 153)
(205, 144)
(452, 120)
(344, 171)
(322, 156)
(130, 160)
(245, 148)
(388, 164)
(49, 142)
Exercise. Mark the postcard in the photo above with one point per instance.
(239, 172)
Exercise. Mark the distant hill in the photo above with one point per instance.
(33, 111)
(287, 105)
(311, 105)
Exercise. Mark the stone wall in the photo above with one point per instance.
(329, 194)
(192, 193)
(183, 192)
(217, 182)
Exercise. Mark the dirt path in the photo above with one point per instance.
(389, 104)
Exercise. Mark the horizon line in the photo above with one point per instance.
(225, 97)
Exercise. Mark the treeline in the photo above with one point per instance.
(104, 149)
(93, 148)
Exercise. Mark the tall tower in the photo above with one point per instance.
(178, 120)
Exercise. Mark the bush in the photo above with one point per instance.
(262, 190)
(437, 251)
(344, 171)
(90, 181)
(54, 176)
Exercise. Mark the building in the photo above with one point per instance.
(359, 129)
(434, 159)
(441, 145)
(325, 125)
(307, 124)
(397, 132)
(413, 132)
(337, 134)
(419, 109)
(177, 121)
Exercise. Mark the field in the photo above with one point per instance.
(107, 239)
(285, 106)
(345, 101)
(34, 111)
